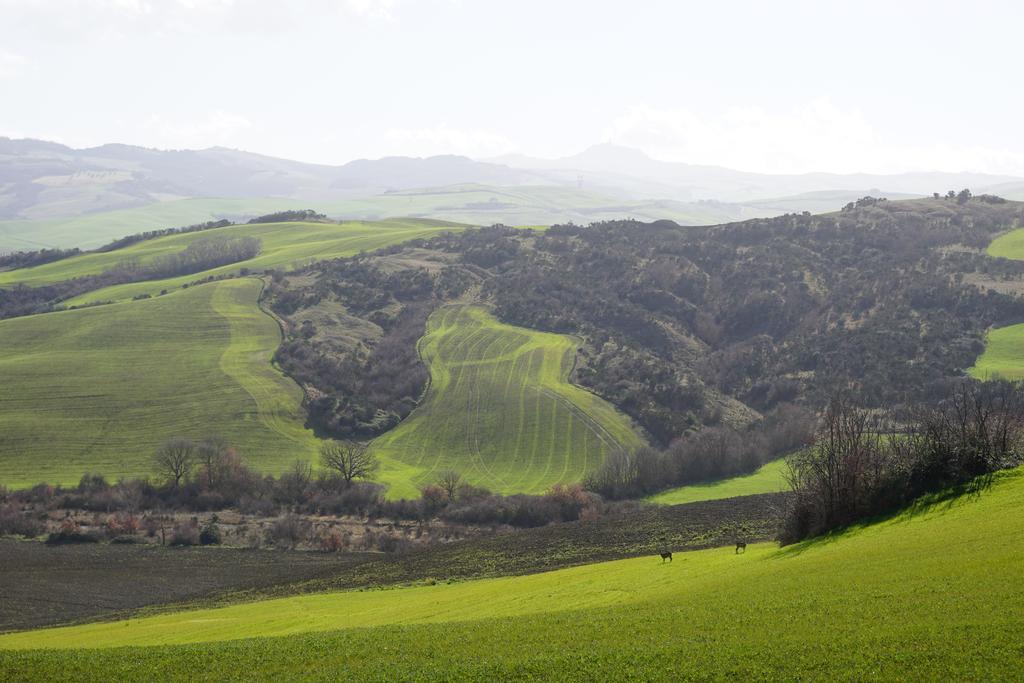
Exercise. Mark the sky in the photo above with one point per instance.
(777, 87)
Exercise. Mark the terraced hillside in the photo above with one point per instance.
(499, 410)
(850, 603)
(98, 389)
(284, 245)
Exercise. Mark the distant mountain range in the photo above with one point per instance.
(47, 180)
(46, 187)
(626, 167)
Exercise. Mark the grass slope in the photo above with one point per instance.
(1008, 245)
(284, 245)
(1003, 356)
(93, 230)
(770, 478)
(930, 594)
(499, 410)
(1004, 347)
(98, 389)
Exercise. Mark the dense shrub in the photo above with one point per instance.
(13, 522)
(185, 534)
(560, 504)
(28, 259)
(70, 532)
(705, 455)
(860, 465)
(288, 531)
(210, 533)
(289, 216)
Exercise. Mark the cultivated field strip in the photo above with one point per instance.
(283, 245)
(500, 410)
(98, 389)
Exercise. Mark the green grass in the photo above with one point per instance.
(284, 245)
(1008, 245)
(499, 410)
(1004, 348)
(98, 389)
(933, 593)
(93, 230)
(770, 478)
(1003, 356)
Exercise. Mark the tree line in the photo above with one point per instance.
(863, 463)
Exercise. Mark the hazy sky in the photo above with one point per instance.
(765, 86)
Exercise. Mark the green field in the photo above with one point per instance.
(499, 411)
(770, 478)
(96, 229)
(98, 389)
(1004, 347)
(933, 593)
(284, 245)
(1003, 356)
(1008, 245)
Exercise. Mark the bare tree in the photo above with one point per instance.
(174, 459)
(293, 485)
(350, 459)
(449, 480)
(211, 453)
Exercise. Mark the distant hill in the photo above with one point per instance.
(40, 180)
(52, 195)
(625, 166)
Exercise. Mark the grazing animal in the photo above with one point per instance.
(740, 545)
(666, 556)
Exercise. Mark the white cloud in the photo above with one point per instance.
(217, 127)
(443, 139)
(12, 65)
(814, 136)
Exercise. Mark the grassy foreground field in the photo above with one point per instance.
(98, 389)
(499, 410)
(770, 478)
(284, 245)
(933, 593)
(58, 585)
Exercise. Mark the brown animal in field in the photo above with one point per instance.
(666, 556)
(740, 545)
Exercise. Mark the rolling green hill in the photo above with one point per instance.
(932, 593)
(770, 478)
(499, 410)
(98, 389)
(93, 230)
(284, 245)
